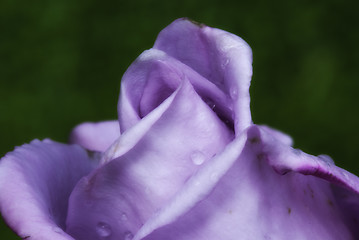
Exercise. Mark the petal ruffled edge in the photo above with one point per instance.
(283, 158)
(135, 192)
(321, 203)
(36, 180)
(223, 58)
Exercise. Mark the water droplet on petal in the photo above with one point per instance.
(103, 229)
(198, 157)
(214, 177)
(326, 159)
(123, 217)
(346, 176)
(226, 62)
(211, 104)
(197, 183)
(233, 92)
(128, 235)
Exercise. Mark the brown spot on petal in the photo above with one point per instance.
(311, 191)
(254, 140)
(201, 25)
(261, 156)
(330, 203)
(289, 211)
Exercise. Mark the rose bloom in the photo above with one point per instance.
(183, 162)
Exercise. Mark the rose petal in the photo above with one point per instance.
(219, 56)
(35, 183)
(185, 135)
(196, 188)
(95, 136)
(344, 185)
(253, 201)
(153, 77)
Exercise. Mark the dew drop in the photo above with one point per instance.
(214, 177)
(123, 217)
(197, 157)
(326, 159)
(103, 229)
(225, 63)
(233, 92)
(128, 235)
(211, 104)
(346, 176)
(197, 183)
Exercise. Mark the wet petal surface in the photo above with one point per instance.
(142, 178)
(221, 57)
(254, 201)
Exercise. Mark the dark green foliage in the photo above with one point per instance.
(61, 64)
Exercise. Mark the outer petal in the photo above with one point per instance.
(344, 185)
(253, 201)
(219, 56)
(95, 136)
(125, 192)
(35, 183)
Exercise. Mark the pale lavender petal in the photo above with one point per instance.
(278, 135)
(95, 136)
(344, 185)
(132, 86)
(221, 57)
(153, 77)
(126, 191)
(196, 188)
(253, 201)
(36, 180)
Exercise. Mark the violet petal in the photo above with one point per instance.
(95, 136)
(253, 201)
(221, 57)
(36, 180)
(144, 178)
(152, 78)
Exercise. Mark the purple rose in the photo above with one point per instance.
(185, 161)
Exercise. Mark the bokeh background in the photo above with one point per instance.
(61, 63)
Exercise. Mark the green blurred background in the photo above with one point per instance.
(61, 64)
